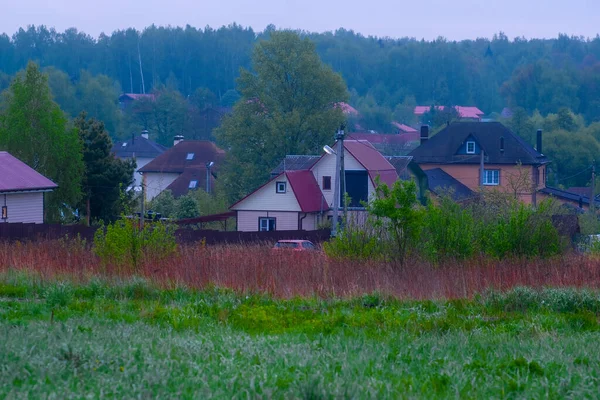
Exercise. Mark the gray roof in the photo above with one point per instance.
(442, 148)
(565, 195)
(295, 163)
(400, 163)
(138, 146)
(441, 183)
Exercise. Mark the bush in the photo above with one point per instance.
(123, 244)
(356, 243)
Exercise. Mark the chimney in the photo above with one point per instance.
(177, 139)
(145, 134)
(424, 133)
(539, 141)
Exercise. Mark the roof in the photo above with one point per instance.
(137, 96)
(295, 163)
(404, 128)
(181, 185)
(372, 160)
(440, 182)
(463, 112)
(400, 163)
(442, 148)
(347, 108)
(565, 195)
(581, 190)
(16, 176)
(307, 191)
(174, 159)
(386, 138)
(138, 146)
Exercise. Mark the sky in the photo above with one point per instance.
(428, 19)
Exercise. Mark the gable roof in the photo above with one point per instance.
(404, 128)
(400, 163)
(372, 160)
(136, 96)
(174, 159)
(565, 195)
(138, 146)
(16, 176)
(439, 182)
(442, 147)
(463, 112)
(295, 163)
(386, 138)
(346, 108)
(305, 189)
(181, 185)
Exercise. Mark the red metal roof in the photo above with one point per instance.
(15, 176)
(347, 108)
(463, 112)
(372, 160)
(307, 191)
(404, 128)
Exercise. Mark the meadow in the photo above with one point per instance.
(205, 327)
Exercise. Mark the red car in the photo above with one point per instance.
(296, 245)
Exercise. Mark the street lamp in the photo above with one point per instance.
(209, 165)
(329, 150)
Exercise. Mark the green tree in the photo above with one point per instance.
(106, 177)
(571, 153)
(187, 207)
(169, 115)
(34, 129)
(287, 107)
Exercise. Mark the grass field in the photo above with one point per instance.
(130, 339)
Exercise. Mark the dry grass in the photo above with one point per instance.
(259, 269)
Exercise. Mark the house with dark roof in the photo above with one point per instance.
(482, 156)
(185, 166)
(300, 193)
(140, 148)
(21, 191)
(127, 99)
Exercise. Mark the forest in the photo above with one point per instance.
(194, 68)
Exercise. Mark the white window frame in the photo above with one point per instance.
(280, 187)
(470, 142)
(193, 184)
(491, 177)
(265, 227)
(190, 156)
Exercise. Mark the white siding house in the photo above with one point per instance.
(21, 191)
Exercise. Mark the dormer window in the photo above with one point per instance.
(470, 147)
(190, 156)
(193, 184)
(124, 144)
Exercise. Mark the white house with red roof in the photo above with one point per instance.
(21, 191)
(301, 193)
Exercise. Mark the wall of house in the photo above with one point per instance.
(512, 177)
(247, 221)
(326, 167)
(24, 207)
(141, 162)
(309, 223)
(157, 182)
(266, 198)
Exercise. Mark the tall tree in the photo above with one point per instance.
(287, 107)
(34, 129)
(106, 177)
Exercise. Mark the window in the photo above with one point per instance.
(266, 224)
(470, 147)
(286, 245)
(280, 187)
(357, 187)
(491, 177)
(326, 183)
(124, 144)
(308, 245)
(193, 184)
(190, 156)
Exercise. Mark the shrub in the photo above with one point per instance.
(123, 244)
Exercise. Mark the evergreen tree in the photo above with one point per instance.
(34, 129)
(106, 177)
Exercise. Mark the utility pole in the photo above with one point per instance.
(593, 196)
(336, 189)
(142, 205)
(482, 171)
(340, 137)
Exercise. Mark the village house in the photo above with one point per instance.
(483, 156)
(126, 99)
(467, 114)
(140, 148)
(188, 165)
(300, 194)
(21, 191)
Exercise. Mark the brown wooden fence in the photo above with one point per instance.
(34, 232)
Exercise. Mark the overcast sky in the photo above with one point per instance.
(454, 19)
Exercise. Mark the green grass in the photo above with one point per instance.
(131, 340)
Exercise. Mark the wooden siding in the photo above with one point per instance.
(267, 199)
(24, 207)
(247, 221)
(157, 182)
